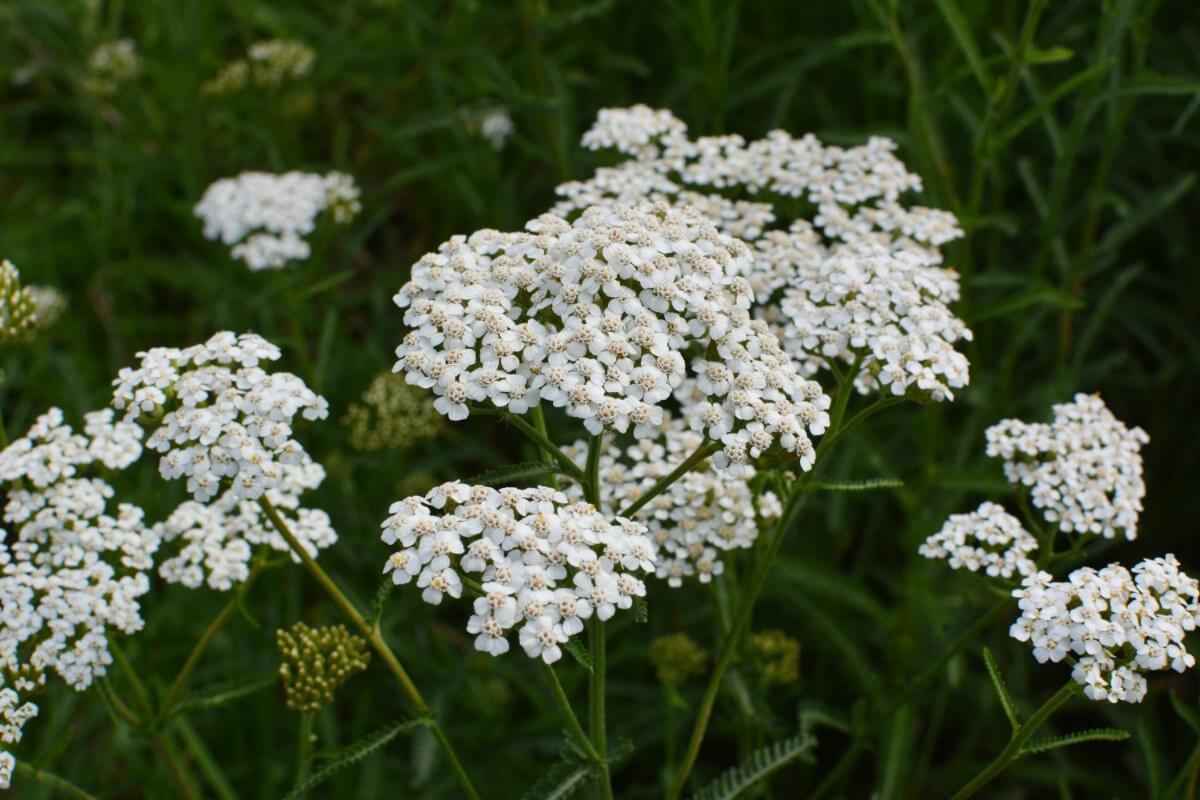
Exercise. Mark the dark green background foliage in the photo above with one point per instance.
(1072, 170)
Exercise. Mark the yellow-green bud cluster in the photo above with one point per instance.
(677, 659)
(777, 656)
(316, 661)
(18, 307)
(391, 414)
(266, 66)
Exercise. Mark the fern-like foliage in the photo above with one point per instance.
(560, 781)
(756, 768)
(1010, 710)
(525, 472)
(355, 752)
(865, 485)
(579, 653)
(1090, 735)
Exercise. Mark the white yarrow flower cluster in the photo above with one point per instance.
(604, 317)
(861, 271)
(268, 64)
(216, 415)
(545, 565)
(13, 716)
(698, 519)
(267, 217)
(110, 65)
(988, 540)
(70, 571)
(1117, 624)
(1083, 470)
(213, 543)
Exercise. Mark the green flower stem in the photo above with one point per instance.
(591, 486)
(375, 638)
(702, 452)
(305, 757)
(596, 711)
(548, 447)
(53, 781)
(201, 646)
(121, 708)
(539, 424)
(758, 577)
(1020, 736)
(568, 714)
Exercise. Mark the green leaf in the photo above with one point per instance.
(559, 782)
(221, 696)
(1051, 55)
(1006, 701)
(1186, 712)
(966, 42)
(1049, 100)
(865, 485)
(641, 610)
(579, 653)
(56, 749)
(526, 471)
(1149, 83)
(757, 767)
(1033, 296)
(1091, 735)
(355, 752)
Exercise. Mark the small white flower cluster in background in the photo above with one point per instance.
(13, 716)
(494, 124)
(268, 64)
(69, 570)
(266, 217)
(111, 64)
(1083, 470)
(856, 276)
(216, 415)
(215, 541)
(698, 519)
(600, 317)
(988, 540)
(1116, 624)
(18, 306)
(545, 565)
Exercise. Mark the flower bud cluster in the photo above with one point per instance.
(698, 518)
(1116, 624)
(216, 415)
(861, 271)
(316, 661)
(677, 659)
(545, 565)
(268, 64)
(267, 217)
(1083, 470)
(600, 317)
(988, 540)
(391, 414)
(18, 307)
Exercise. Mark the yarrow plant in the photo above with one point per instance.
(267, 217)
(988, 540)
(544, 565)
(1083, 470)
(600, 317)
(316, 661)
(856, 280)
(391, 415)
(1116, 623)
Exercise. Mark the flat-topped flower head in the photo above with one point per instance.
(699, 518)
(534, 561)
(213, 543)
(1083, 469)
(605, 317)
(1117, 624)
(72, 566)
(988, 540)
(13, 715)
(852, 275)
(266, 218)
(217, 416)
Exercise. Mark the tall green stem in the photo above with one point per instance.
(52, 780)
(702, 452)
(596, 711)
(1020, 736)
(201, 646)
(569, 716)
(305, 756)
(548, 447)
(758, 577)
(376, 640)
